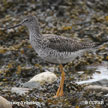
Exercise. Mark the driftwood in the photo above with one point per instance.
(96, 88)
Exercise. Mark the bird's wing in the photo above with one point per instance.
(63, 44)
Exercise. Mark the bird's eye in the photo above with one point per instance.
(26, 20)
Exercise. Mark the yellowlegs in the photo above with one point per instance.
(54, 48)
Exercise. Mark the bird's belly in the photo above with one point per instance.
(58, 60)
(59, 57)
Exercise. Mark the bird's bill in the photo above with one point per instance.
(15, 26)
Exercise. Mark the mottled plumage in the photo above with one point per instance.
(59, 49)
(63, 44)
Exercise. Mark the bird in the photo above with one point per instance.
(54, 48)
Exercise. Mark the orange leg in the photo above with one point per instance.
(60, 89)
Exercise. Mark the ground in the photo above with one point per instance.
(80, 19)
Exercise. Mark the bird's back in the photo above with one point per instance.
(64, 44)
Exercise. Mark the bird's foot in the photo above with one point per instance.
(59, 93)
(56, 96)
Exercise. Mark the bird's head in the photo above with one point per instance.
(27, 21)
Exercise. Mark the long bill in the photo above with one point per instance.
(14, 26)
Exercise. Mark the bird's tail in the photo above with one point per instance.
(98, 42)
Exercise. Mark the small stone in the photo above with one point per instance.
(49, 19)
(4, 103)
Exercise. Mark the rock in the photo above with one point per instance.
(4, 103)
(49, 19)
(47, 77)
(40, 79)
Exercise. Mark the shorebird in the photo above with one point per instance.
(53, 48)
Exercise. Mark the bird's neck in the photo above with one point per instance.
(35, 37)
(34, 32)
